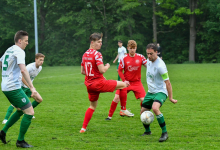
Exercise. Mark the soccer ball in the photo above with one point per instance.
(147, 117)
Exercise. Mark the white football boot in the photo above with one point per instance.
(126, 113)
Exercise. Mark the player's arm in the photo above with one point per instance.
(25, 82)
(26, 76)
(115, 59)
(169, 87)
(102, 68)
(83, 70)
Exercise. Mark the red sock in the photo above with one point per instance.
(112, 108)
(141, 104)
(88, 116)
(123, 98)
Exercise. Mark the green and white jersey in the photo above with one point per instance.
(33, 72)
(121, 52)
(156, 75)
(11, 73)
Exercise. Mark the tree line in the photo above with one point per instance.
(187, 30)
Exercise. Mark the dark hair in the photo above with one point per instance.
(152, 46)
(95, 37)
(120, 41)
(19, 35)
(39, 55)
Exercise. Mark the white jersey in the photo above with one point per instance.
(33, 72)
(155, 81)
(11, 73)
(121, 52)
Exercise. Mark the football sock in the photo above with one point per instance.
(123, 98)
(25, 123)
(141, 104)
(112, 109)
(34, 104)
(147, 127)
(88, 116)
(161, 122)
(9, 111)
(14, 118)
(118, 78)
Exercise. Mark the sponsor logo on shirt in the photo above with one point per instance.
(131, 68)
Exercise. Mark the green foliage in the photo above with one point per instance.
(65, 26)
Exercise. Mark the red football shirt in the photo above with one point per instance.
(131, 67)
(90, 61)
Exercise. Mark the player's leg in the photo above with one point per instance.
(120, 85)
(19, 99)
(146, 106)
(117, 71)
(93, 97)
(158, 102)
(123, 101)
(8, 114)
(113, 105)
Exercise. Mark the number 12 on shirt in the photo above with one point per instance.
(88, 68)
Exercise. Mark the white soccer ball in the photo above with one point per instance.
(147, 117)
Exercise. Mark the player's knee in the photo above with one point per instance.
(39, 100)
(116, 99)
(155, 109)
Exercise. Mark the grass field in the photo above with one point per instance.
(192, 123)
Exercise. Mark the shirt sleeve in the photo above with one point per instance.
(98, 59)
(144, 60)
(125, 51)
(28, 67)
(20, 57)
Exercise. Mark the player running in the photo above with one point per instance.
(159, 87)
(13, 65)
(131, 64)
(33, 70)
(93, 68)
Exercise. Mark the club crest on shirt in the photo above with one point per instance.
(23, 100)
(137, 61)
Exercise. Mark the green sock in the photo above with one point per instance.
(34, 104)
(14, 118)
(25, 123)
(118, 78)
(9, 111)
(161, 122)
(147, 127)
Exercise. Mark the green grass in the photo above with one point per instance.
(192, 123)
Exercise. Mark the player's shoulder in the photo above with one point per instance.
(140, 55)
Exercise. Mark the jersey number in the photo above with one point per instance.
(88, 66)
(6, 63)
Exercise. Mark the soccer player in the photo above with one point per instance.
(159, 87)
(93, 68)
(33, 70)
(131, 64)
(121, 52)
(13, 65)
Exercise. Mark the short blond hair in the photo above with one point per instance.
(132, 44)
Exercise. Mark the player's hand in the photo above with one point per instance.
(114, 61)
(33, 92)
(127, 83)
(108, 65)
(173, 101)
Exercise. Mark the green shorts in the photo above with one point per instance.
(18, 99)
(117, 65)
(150, 98)
(27, 91)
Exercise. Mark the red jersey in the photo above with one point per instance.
(90, 61)
(131, 67)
